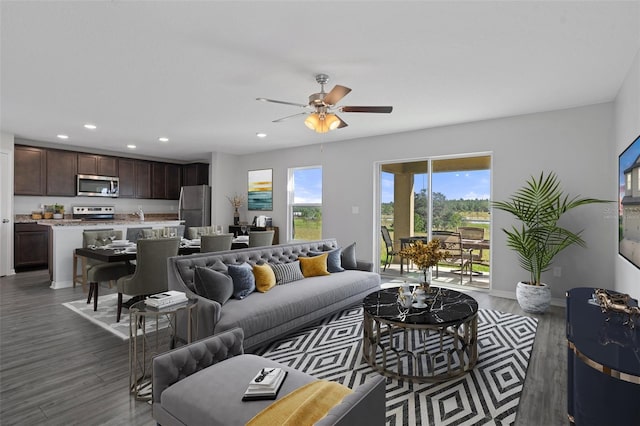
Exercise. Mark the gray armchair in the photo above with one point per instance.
(220, 242)
(261, 238)
(151, 269)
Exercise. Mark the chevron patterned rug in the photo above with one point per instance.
(488, 395)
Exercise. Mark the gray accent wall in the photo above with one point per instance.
(575, 143)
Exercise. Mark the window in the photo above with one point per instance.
(305, 203)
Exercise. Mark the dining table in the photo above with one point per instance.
(128, 253)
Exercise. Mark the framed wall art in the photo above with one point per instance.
(260, 196)
(629, 203)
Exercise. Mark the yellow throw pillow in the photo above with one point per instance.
(265, 278)
(314, 266)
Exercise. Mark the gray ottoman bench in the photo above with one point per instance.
(202, 384)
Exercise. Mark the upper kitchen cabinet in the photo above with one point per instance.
(174, 181)
(30, 170)
(165, 181)
(143, 179)
(101, 165)
(195, 174)
(127, 175)
(62, 169)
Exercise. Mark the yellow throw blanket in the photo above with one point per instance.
(303, 406)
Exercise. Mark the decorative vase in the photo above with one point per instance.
(236, 216)
(534, 299)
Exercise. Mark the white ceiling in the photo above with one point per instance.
(191, 70)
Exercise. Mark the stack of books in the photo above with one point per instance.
(266, 384)
(168, 298)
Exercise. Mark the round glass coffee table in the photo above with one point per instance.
(422, 344)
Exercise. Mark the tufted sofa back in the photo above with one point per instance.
(184, 266)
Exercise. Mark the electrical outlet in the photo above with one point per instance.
(557, 271)
(355, 210)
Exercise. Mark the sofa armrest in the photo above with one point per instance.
(363, 265)
(173, 366)
(364, 407)
(208, 314)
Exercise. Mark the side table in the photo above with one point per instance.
(146, 342)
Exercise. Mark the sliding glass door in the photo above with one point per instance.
(418, 198)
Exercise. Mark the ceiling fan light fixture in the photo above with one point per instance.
(332, 121)
(312, 121)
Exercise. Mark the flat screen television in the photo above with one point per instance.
(629, 203)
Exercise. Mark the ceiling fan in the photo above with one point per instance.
(322, 107)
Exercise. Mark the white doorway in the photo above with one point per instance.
(6, 216)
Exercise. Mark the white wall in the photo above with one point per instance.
(574, 143)
(627, 128)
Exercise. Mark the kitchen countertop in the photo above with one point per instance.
(119, 220)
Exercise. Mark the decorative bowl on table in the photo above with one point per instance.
(119, 243)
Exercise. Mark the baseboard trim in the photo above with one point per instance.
(512, 295)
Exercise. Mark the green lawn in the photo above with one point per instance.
(307, 229)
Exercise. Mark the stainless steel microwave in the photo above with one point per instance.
(98, 186)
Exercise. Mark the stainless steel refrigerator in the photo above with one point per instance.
(194, 207)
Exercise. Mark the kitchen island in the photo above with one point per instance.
(66, 235)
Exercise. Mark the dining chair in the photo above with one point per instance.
(150, 276)
(388, 245)
(198, 231)
(261, 238)
(220, 242)
(95, 237)
(134, 234)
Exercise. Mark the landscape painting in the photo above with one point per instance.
(629, 203)
(260, 196)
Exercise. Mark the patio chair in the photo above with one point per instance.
(388, 245)
(452, 243)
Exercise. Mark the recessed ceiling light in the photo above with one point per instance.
(63, 137)
(90, 126)
(261, 135)
(163, 139)
(130, 146)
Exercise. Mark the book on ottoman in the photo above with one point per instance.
(265, 385)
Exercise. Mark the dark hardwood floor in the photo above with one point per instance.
(57, 368)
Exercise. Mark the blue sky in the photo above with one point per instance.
(468, 185)
(455, 185)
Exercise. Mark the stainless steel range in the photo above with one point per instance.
(94, 212)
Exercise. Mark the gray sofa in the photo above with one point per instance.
(281, 310)
(203, 383)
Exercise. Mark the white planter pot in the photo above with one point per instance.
(534, 299)
(58, 216)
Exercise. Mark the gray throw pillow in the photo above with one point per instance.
(212, 284)
(348, 258)
(244, 283)
(287, 272)
(333, 260)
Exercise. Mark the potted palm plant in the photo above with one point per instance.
(538, 205)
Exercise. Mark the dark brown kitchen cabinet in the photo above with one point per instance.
(62, 169)
(31, 246)
(158, 181)
(174, 181)
(127, 175)
(165, 181)
(30, 170)
(101, 165)
(143, 179)
(195, 174)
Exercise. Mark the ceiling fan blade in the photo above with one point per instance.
(281, 102)
(289, 116)
(342, 123)
(338, 92)
(377, 109)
